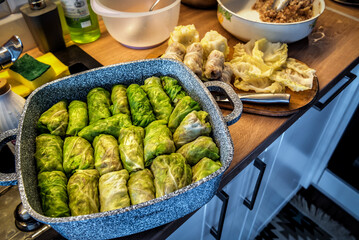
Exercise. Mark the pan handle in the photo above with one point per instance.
(218, 86)
(7, 179)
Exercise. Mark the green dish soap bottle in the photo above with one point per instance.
(81, 20)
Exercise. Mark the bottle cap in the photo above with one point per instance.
(4, 86)
(37, 4)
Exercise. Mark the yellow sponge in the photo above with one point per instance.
(48, 68)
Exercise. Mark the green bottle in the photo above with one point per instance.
(82, 22)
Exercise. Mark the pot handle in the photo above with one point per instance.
(7, 179)
(223, 87)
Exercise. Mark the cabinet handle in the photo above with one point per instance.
(261, 166)
(224, 197)
(320, 106)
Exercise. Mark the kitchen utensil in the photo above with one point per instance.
(154, 5)
(279, 4)
(262, 98)
(136, 218)
(238, 18)
(130, 23)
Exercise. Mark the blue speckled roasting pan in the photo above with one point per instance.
(136, 218)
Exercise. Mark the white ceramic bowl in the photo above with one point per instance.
(131, 24)
(238, 18)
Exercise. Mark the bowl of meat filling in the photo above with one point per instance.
(255, 19)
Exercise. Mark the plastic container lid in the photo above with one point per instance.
(4, 86)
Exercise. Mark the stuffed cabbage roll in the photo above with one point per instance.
(171, 173)
(53, 194)
(111, 126)
(131, 148)
(54, 120)
(194, 58)
(214, 66)
(175, 51)
(202, 147)
(158, 141)
(82, 189)
(113, 190)
(184, 106)
(119, 100)
(204, 168)
(195, 124)
(106, 153)
(48, 153)
(78, 154)
(141, 110)
(141, 187)
(98, 102)
(159, 100)
(173, 89)
(78, 117)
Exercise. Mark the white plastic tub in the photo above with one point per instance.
(132, 24)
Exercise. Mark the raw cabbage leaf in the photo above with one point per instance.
(260, 85)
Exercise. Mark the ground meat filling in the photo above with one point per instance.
(295, 11)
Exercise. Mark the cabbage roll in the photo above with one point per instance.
(227, 73)
(111, 126)
(202, 147)
(141, 110)
(175, 51)
(119, 100)
(82, 189)
(48, 153)
(184, 106)
(195, 124)
(98, 101)
(54, 120)
(158, 141)
(194, 58)
(131, 148)
(113, 190)
(78, 117)
(78, 154)
(204, 168)
(159, 100)
(106, 153)
(214, 66)
(171, 173)
(53, 194)
(173, 89)
(185, 35)
(141, 187)
(212, 40)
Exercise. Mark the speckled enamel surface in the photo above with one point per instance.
(136, 218)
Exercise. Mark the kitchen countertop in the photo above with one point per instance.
(332, 49)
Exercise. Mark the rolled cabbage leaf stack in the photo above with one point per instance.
(159, 100)
(171, 173)
(111, 126)
(78, 154)
(53, 194)
(82, 189)
(184, 107)
(48, 153)
(173, 89)
(195, 124)
(194, 58)
(175, 51)
(107, 156)
(131, 148)
(113, 190)
(202, 147)
(158, 141)
(78, 117)
(204, 168)
(54, 120)
(98, 102)
(141, 187)
(140, 106)
(214, 65)
(119, 100)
